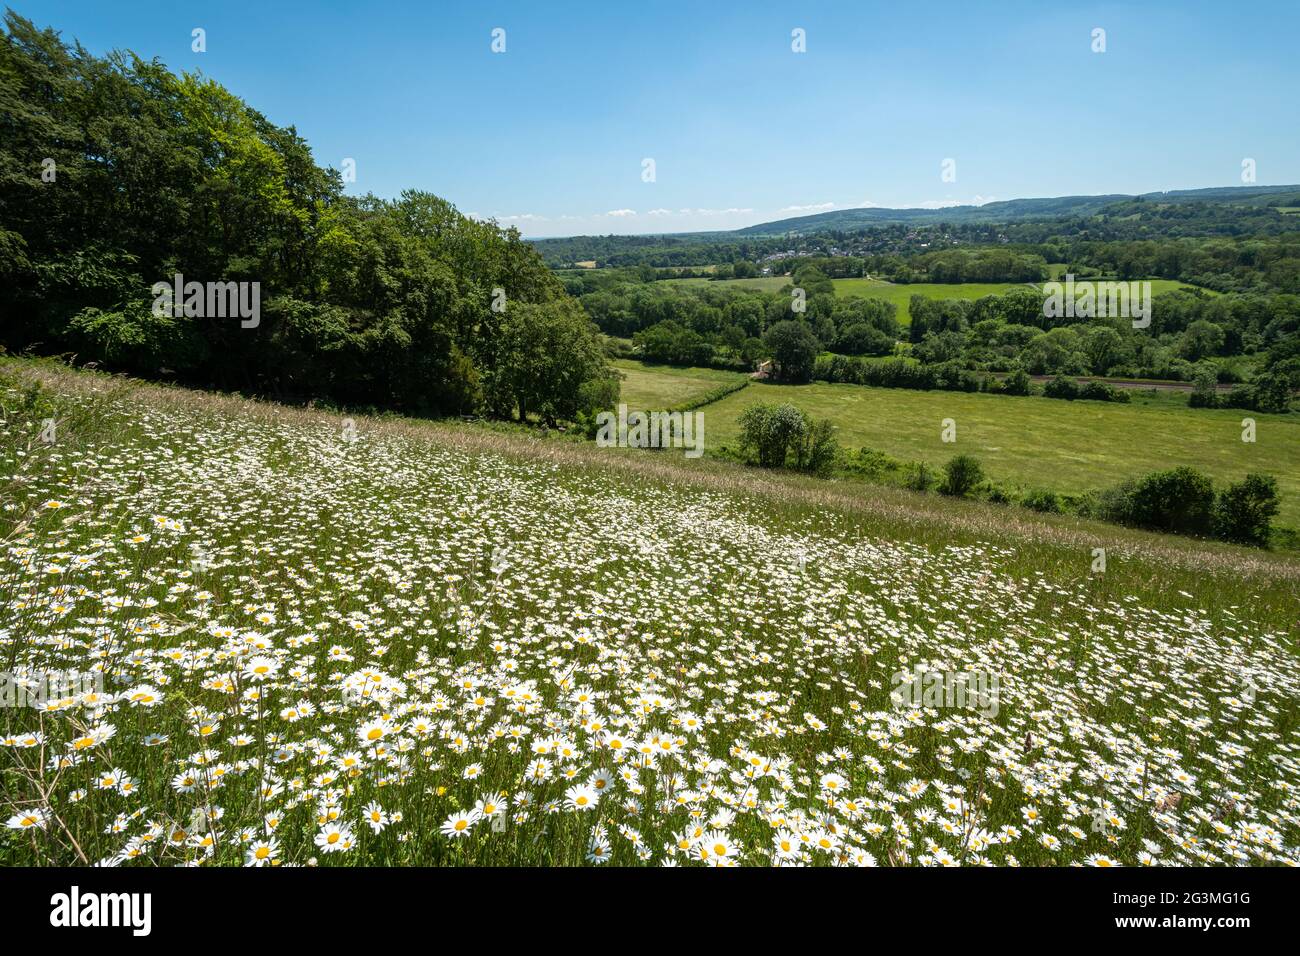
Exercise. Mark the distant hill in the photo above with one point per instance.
(1011, 210)
(1215, 212)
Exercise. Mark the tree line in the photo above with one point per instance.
(1250, 339)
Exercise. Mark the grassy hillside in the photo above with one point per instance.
(362, 641)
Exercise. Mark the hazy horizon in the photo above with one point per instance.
(799, 215)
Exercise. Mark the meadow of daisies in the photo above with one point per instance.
(331, 642)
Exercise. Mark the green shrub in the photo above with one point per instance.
(1204, 394)
(1244, 512)
(920, 477)
(1101, 392)
(1061, 387)
(961, 475)
(1042, 500)
(1017, 383)
(871, 464)
(768, 431)
(817, 449)
(1178, 501)
(1272, 392)
(771, 434)
(998, 495)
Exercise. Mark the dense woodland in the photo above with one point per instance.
(115, 173)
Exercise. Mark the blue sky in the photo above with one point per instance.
(551, 135)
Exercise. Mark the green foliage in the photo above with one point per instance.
(400, 304)
(1182, 501)
(1061, 387)
(770, 431)
(1042, 500)
(1273, 390)
(133, 337)
(1205, 393)
(920, 477)
(670, 342)
(864, 339)
(872, 465)
(1017, 383)
(778, 436)
(794, 351)
(817, 450)
(1178, 501)
(546, 354)
(1102, 392)
(897, 373)
(961, 476)
(1243, 512)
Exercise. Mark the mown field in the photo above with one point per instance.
(763, 283)
(655, 387)
(1034, 442)
(901, 295)
(378, 641)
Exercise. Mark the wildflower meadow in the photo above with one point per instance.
(241, 635)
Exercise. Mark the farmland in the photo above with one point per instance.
(664, 386)
(1030, 443)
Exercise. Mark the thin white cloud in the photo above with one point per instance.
(621, 212)
(811, 207)
(947, 203)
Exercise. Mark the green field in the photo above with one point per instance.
(901, 295)
(1023, 442)
(1038, 442)
(653, 387)
(763, 283)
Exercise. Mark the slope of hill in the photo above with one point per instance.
(404, 642)
(1012, 210)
